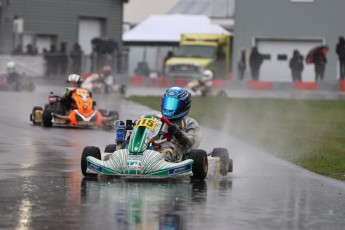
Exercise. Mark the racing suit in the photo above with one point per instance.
(99, 82)
(66, 99)
(189, 139)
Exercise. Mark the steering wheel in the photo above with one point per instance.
(161, 117)
(165, 120)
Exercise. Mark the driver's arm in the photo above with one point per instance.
(189, 136)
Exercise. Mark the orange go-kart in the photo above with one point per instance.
(81, 113)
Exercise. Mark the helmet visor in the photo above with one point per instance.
(171, 104)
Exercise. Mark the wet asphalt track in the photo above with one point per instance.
(41, 186)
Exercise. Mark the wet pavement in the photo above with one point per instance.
(41, 186)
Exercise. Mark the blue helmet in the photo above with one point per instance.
(176, 103)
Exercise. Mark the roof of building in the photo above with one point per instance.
(135, 11)
(211, 8)
(167, 29)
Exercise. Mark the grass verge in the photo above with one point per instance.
(309, 133)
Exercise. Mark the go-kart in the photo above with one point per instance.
(23, 84)
(83, 115)
(95, 84)
(199, 88)
(136, 154)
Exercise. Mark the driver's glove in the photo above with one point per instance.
(174, 130)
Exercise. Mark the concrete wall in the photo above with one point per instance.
(58, 17)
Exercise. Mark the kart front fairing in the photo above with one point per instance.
(150, 163)
(75, 118)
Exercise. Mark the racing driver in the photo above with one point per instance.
(73, 82)
(186, 132)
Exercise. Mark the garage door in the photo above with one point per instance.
(43, 42)
(88, 30)
(277, 55)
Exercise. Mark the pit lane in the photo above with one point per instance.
(41, 186)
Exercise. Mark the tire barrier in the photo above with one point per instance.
(342, 85)
(260, 85)
(165, 82)
(310, 86)
(256, 85)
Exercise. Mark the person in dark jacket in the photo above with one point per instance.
(76, 55)
(63, 59)
(319, 61)
(255, 62)
(340, 50)
(241, 65)
(296, 66)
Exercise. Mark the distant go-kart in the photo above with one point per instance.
(136, 154)
(198, 88)
(82, 116)
(23, 84)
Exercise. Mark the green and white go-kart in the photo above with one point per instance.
(140, 157)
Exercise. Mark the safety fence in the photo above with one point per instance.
(164, 82)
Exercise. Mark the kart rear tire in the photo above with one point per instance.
(114, 113)
(47, 118)
(222, 93)
(230, 168)
(89, 151)
(123, 89)
(32, 115)
(224, 160)
(200, 165)
(103, 112)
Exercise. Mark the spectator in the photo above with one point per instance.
(30, 50)
(18, 50)
(241, 65)
(76, 55)
(340, 50)
(319, 61)
(45, 58)
(63, 59)
(255, 62)
(296, 66)
(52, 64)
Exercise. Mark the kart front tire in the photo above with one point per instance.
(224, 160)
(33, 114)
(89, 151)
(47, 118)
(200, 165)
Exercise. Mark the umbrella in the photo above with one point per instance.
(310, 56)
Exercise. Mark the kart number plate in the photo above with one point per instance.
(88, 123)
(147, 122)
(82, 92)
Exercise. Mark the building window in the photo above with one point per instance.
(282, 57)
(266, 56)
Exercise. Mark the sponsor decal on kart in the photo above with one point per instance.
(88, 123)
(95, 167)
(59, 121)
(181, 169)
(134, 165)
